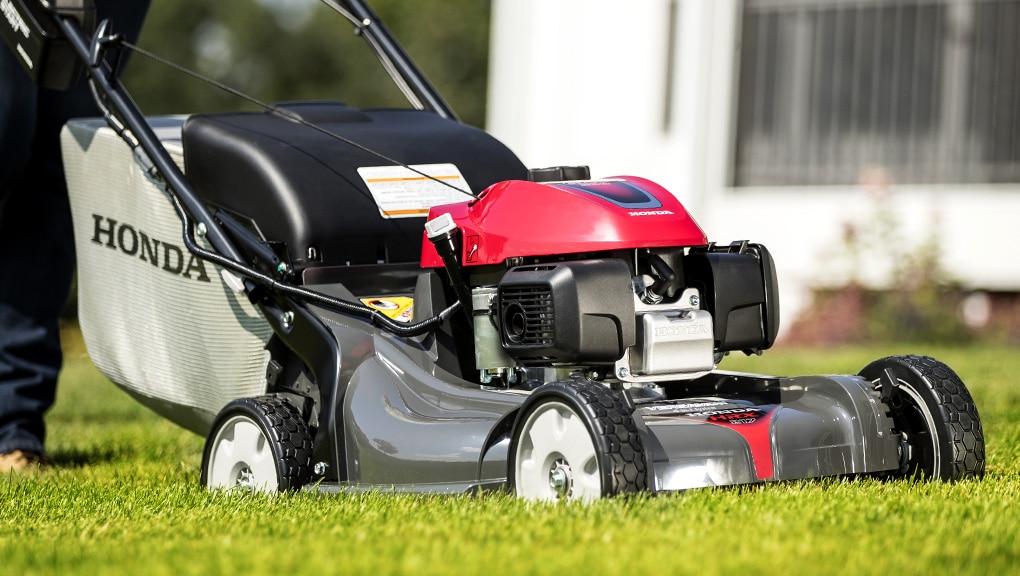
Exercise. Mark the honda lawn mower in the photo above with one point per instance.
(347, 299)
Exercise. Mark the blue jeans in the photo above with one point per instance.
(36, 242)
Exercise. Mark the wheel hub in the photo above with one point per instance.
(904, 450)
(245, 479)
(559, 478)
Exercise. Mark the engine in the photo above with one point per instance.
(611, 278)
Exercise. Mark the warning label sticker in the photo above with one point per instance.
(400, 308)
(407, 193)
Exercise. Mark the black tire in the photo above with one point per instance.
(542, 468)
(258, 444)
(932, 407)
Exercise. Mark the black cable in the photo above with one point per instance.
(284, 113)
(354, 309)
(342, 306)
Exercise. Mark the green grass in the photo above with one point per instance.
(124, 499)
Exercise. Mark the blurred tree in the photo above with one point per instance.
(280, 50)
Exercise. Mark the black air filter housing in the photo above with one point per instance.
(738, 285)
(567, 312)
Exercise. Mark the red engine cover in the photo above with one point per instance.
(518, 218)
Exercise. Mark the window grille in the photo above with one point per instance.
(926, 90)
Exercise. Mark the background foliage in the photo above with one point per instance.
(280, 50)
(878, 287)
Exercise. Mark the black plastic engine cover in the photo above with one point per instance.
(739, 287)
(301, 187)
(567, 312)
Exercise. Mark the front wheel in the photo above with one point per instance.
(933, 410)
(576, 441)
(258, 444)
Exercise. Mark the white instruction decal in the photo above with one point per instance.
(404, 193)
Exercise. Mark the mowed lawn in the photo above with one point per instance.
(124, 499)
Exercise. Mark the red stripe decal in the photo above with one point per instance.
(753, 425)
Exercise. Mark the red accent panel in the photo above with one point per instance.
(758, 437)
(517, 218)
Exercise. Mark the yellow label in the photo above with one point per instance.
(400, 308)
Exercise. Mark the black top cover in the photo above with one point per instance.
(301, 187)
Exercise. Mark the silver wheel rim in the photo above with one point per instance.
(556, 457)
(242, 458)
(929, 420)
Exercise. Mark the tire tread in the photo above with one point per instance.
(282, 424)
(288, 429)
(959, 412)
(623, 444)
(953, 406)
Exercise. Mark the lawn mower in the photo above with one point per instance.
(345, 298)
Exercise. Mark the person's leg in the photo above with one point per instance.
(36, 241)
(28, 362)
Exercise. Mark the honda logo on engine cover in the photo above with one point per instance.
(651, 213)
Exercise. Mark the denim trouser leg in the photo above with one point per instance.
(36, 241)
(34, 268)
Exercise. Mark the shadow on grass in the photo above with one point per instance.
(75, 457)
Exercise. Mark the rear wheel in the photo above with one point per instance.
(933, 410)
(576, 441)
(258, 444)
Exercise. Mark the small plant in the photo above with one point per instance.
(886, 288)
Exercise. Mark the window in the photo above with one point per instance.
(928, 90)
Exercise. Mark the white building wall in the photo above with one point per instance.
(584, 82)
(570, 85)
